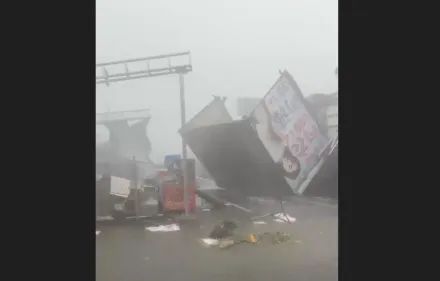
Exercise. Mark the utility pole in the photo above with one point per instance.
(184, 151)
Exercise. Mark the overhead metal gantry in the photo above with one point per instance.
(146, 67)
(130, 69)
(107, 117)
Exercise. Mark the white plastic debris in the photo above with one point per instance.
(163, 228)
(259, 222)
(206, 210)
(97, 232)
(104, 218)
(280, 217)
(210, 241)
(150, 202)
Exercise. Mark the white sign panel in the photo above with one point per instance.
(288, 132)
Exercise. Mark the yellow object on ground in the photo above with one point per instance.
(252, 238)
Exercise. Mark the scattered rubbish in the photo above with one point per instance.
(97, 232)
(206, 210)
(224, 237)
(298, 241)
(210, 241)
(224, 244)
(275, 237)
(320, 233)
(280, 217)
(252, 238)
(163, 228)
(279, 237)
(146, 258)
(223, 230)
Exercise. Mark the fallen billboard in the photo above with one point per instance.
(274, 151)
(236, 159)
(289, 132)
(325, 182)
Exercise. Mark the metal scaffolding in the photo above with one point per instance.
(140, 114)
(123, 69)
(126, 70)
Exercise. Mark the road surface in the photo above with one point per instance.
(128, 252)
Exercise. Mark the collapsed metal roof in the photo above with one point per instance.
(126, 139)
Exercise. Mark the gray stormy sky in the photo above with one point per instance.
(237, 47)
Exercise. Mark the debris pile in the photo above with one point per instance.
(252, 238)
(224, 237)
(223, 230)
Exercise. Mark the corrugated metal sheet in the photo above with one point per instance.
(246, 105)
(236, 159)
(214, 113)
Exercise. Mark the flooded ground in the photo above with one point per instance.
(129, 252)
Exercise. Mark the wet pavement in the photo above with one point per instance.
(131, 253)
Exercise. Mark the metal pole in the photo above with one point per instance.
(183, 121)
(134, 185)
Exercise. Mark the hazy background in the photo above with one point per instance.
(237, 47)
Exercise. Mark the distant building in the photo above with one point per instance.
(325, 108)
